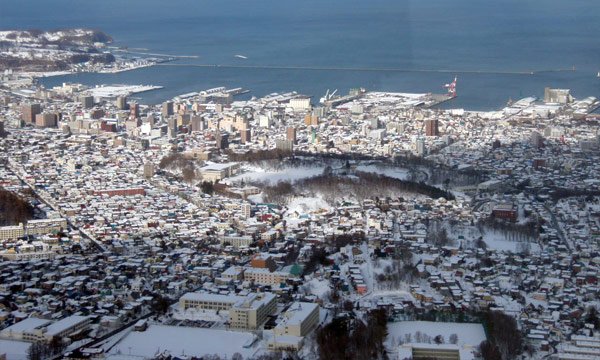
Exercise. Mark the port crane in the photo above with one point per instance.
(451, 88)
(327, 96)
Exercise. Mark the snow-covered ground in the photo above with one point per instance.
(109, 91)
(273, 176)
(185, 341)
(304, 205)
(199, 315)
(253, 173)
(319, 288)
(468, 334)
(499, 241)
(14, 350)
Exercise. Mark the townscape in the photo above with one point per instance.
(220, 225)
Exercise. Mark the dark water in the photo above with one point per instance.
(460, 36)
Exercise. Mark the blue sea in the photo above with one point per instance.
(490, 45)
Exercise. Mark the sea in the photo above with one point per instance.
(497, 49)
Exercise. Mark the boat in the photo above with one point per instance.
(241, 57)
(598, 74)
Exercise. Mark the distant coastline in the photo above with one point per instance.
(40, 54)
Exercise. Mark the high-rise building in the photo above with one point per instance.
(121, 103)
(172, 128)
(148, 170)
(537, 141)
(285, 145)
(150, 120)
(222, 140)
(420, 147)
(432, 127)
(45, 120)
(29, 111)
(87, 101)
(167, 109)
(291, 134)
(134, 110)
(246, 136)
(197, 123)
(246, 210)
(2, 133)
(311, 119)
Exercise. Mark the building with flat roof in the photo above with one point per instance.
(245, 312)
(300, 319)
(34, 329)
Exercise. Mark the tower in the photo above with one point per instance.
(432, 127)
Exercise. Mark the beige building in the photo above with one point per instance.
(45, 226)
(236, 241)
(299, 320)
(245, 312)
(11, 232)
(252, 312)
(34, 329)
(265, 277)
(206, 301)
(216, 172)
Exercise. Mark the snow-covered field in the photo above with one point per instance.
(185, 341)
(199, 315)
(272, 176)
(293, 173)
(497, 241)
(14, 350)
(493, 240)
(468, 334)
(303, 205)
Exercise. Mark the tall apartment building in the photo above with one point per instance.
(148, 170)
(87, 102)
(291, 134)
(121, 102)
(167, 109)
(222, 140)
(29, 111)
(432, 127)
(246, 136)
(46, 120)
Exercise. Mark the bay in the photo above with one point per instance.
(492, 46)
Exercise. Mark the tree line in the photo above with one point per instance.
(346, 338)
(13, 208)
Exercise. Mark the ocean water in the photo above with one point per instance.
(492, 46)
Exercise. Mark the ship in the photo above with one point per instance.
(241, 57)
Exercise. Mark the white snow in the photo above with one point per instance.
(14, 350)
(272, 176)
(469, 334)
(303, 205)
(185, 341)
(107, 91)
(498, 241)
(319, 288)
